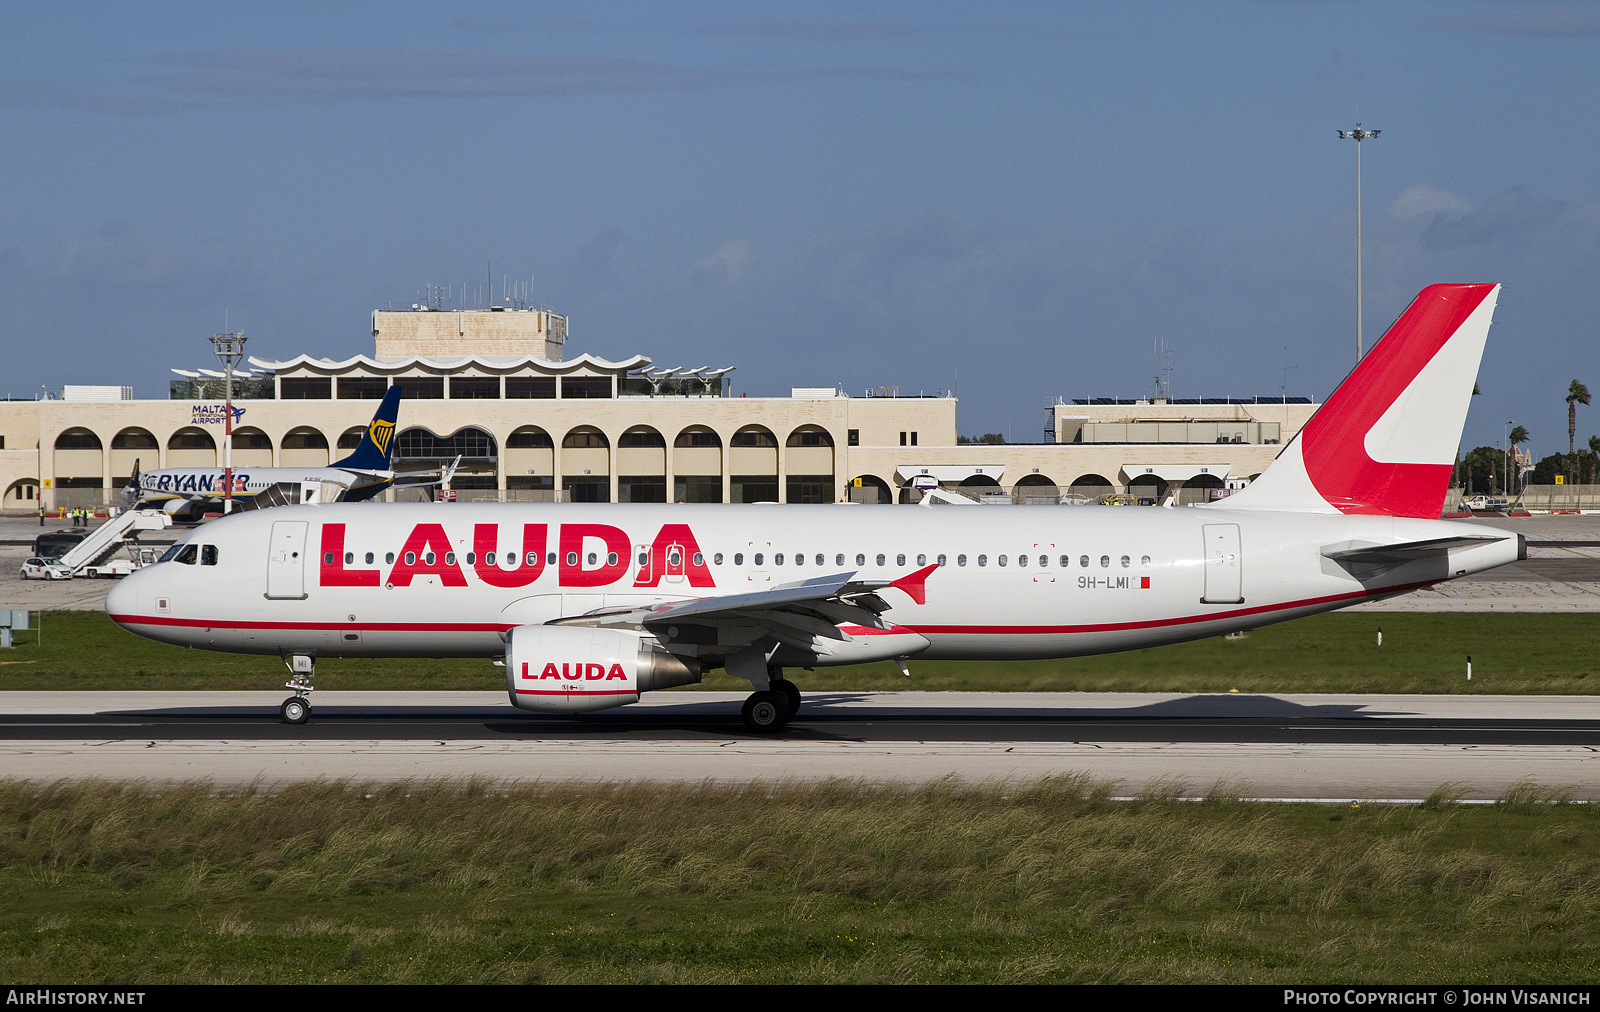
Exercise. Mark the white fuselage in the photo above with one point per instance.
(209, 484)
(1016, 582)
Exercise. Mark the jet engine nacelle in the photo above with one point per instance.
(571, 669)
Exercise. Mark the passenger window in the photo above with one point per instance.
(757, 559)
(611, 558)
(1066, 561)
(533, 558)
(593, 558)
(899, 560)
(1144, 562)
(674, 558)
(861, 560)
(388, 559)
(1002, 560)
(1105, 562)
(349, 557)
(777, 560)
(488, 558)
(449, 558)
(738, 558)
(699, 559)
(838, 560)
(1125, 562)
(644, 559)
(799, 558)
(820, 560)
(187, 554)
(961, 560)
(411, 558)
(983, 560)
(572, 559)
(880, 560)
(922, 560)
(429, 558)
(369, 558)
(549, 560)
(717, 558)
(1083, 560)
(1044, 561)
(941, 560)
(1022, 560)
(472, 558)
(208, 555)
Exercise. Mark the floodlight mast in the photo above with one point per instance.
(1358, 135)
(230, 349)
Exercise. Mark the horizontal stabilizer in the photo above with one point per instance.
(1407, 551)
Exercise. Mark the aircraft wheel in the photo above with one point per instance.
(295, 710)
(765, 712)
(791, 693)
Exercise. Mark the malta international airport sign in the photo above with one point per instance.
(213, 414)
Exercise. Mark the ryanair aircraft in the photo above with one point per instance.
(362, 475)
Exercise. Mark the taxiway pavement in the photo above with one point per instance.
(1326, 747)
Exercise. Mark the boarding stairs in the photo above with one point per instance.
(103, 541)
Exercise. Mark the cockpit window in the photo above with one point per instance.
(170, 554)
(186, 554)
(208, 555)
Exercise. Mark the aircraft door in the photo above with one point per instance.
(286, 561)
(1224, 570)
(675, 563)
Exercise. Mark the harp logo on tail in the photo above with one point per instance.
(381, 432)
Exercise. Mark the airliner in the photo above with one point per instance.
(362, 475)
(588, 606)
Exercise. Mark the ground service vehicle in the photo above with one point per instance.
(45, 568)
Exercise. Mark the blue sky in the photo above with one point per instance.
(1016, 200)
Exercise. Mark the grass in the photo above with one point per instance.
(1038, 882)
(1327, 653)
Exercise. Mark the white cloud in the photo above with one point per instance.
(728, 263)
(1424, 200)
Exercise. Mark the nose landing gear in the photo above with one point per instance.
(297, 708)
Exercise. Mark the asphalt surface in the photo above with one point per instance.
(1305, 747)
(861, 718)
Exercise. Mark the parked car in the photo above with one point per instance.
(38, 568)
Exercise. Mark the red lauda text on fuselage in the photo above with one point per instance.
(429, 551)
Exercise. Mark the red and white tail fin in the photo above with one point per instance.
(1386, 439)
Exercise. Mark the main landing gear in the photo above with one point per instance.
(771, 708)
(297, 708)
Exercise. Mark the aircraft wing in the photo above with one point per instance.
(792, 613)
(422, 479)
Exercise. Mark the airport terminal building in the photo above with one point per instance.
(496, 388)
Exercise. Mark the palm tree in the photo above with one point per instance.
(1519, 435)
(1577, 394)
(1594, 451)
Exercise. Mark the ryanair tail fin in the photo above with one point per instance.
(377, 443)
(1385, 441)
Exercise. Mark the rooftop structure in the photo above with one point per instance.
(502, 332)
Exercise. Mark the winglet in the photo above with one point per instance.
(914, 584)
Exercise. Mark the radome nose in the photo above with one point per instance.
(121, 597)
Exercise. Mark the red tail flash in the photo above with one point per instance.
(1386, 439)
